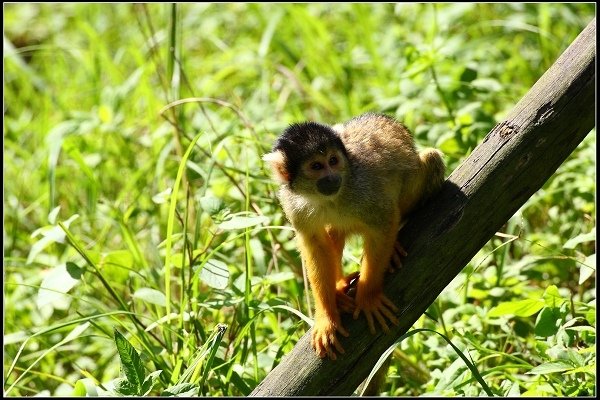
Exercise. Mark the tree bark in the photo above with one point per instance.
(514, 160)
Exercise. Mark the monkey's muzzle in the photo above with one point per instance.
(329, 185)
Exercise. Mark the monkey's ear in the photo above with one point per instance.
(276, 161)
(338, 128)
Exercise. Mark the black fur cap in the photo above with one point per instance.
(301, 140)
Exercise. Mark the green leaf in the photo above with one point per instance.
(547, 322)
(85, 388)
(55, 137)
(240, 384)
(55, 284)
(130, 84)
(125, 388)
(53, 214)
(171, 221)
(76, 332)
(519, 308)
(258, 253)
(588, 369)
(179, 259)
(105, 114)
(279, 277)
(131, 362)
(214, 346)
(587, 268)
(240, 222)
(74, 270)
(487, 84)
(51, 234)
(162, 197)
(468, 74)
(181, 390)
(116, 265)
(150, 382)
(514, 390)
(215, 274)
(552, 297)
(551, 367)
(211, 205)
(448, 144)
(151, 296)
(79, 390)
(582, 238)
(15, 337)
(575, 358)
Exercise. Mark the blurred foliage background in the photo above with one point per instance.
(145, 251)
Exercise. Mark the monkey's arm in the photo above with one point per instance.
(344, 302)
(321, 254)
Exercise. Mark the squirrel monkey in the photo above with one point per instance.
(360, 177)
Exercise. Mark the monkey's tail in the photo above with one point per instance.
(432, 168)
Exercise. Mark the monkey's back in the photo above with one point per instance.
(383, 163)
(379, 143)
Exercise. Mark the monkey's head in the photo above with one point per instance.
(310, 158)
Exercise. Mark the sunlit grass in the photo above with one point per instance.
(102, 105)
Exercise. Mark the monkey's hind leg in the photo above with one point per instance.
(370, 298)
(344, 302)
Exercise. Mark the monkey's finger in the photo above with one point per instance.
(338, 346)
(321, 352)
(344, 298)
(370, 322)
(346, 309)
(345, 303)
(342, 330)
(331, 354)
(390, 316)
(389, 303)
(400, 249)
(396, 262)
(381, 321)
(318, 343)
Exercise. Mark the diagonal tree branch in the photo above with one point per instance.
(507, 168)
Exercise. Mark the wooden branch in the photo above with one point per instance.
(509, 166)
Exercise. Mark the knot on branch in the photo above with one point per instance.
(505, 129)
(545, 112)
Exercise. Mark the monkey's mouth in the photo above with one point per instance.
(329, 185)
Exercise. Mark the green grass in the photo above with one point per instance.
(115, 221)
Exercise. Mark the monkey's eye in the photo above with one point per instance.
(333, 160)
(316, 166)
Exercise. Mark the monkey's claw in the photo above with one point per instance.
(376, 307)
(324, 339)
(344, 302)
(399, 252)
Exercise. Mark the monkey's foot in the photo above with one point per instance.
(324, 339)
(396, 261)
(376, 307)
(345, 291)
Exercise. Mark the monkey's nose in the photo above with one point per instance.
(329, 185)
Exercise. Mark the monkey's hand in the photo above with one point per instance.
(345, 291)
(396, 262)
(377, 306)
(324, 339)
